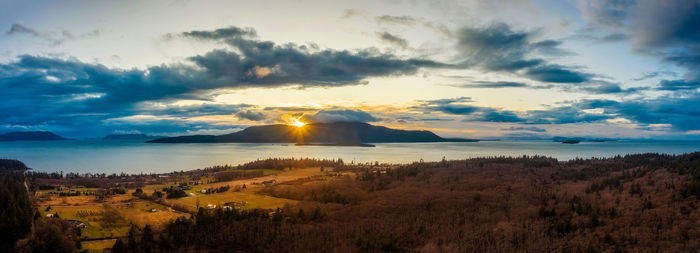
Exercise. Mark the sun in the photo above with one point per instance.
(297, 123)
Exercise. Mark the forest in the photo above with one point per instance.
(633, 203)
(499, 204)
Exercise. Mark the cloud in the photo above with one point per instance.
(531, 129)
(54, 38)
(230, 32)
(328, 116)
(251, 115)
(654, 74)
(667, 30)
(458, 106)
(393, 39)
(19, 28)
(487, 84)
(411, 21)
(615, 37)
(556, 74)
(606, 12)
(69, 94)
(498, 48)
(402, 20)
(348, 13)
(299, 64)
(675, 85)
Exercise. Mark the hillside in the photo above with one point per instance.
(339, 132)
(31, 136)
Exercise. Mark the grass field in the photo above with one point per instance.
(138, 213)
(253, 200)
(134, 210)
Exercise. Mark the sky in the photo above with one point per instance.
(475, 69)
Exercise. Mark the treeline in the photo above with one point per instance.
(290, 163)
(223, 176)
(230, 230)
(15, 206)
(17, 218)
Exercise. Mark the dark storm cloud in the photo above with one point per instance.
(393, 39)
(328, 116)
(498, 48)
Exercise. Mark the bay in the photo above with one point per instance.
(134, 156)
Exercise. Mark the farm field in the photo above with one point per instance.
(111, 217)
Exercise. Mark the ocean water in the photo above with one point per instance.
(130, 156)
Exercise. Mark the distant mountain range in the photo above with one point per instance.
(31, 136)
(131, 137)
(338, 132)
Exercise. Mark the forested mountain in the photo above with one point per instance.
(338, 132)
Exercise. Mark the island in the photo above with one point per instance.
(314, 133)
(31, 136)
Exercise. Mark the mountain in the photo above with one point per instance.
(131, 137)
(31, 136)
(338, 132)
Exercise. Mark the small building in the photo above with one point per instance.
(153, 210)
(192, 194)
(77, 223)
(210, 206)
(203, 191)
(269, 182)
(49, 215)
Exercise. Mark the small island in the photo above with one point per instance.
(337, 144)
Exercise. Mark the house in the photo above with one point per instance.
(49, 215)
(203, 191)
(268, 182)
(153, 210)
(77, 223)
(210, 206)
